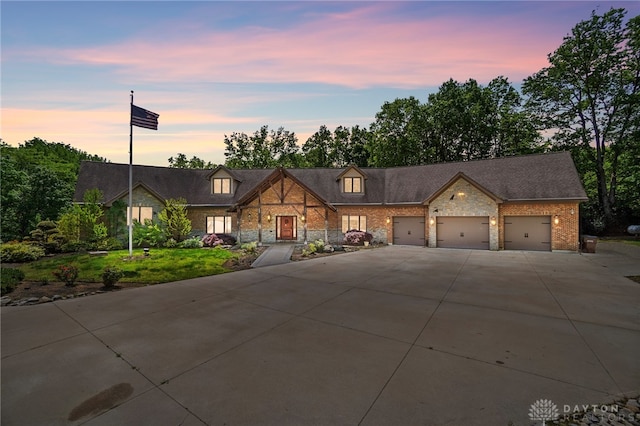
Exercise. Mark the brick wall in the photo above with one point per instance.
(565, 234)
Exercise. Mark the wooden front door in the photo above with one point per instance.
(286, 228)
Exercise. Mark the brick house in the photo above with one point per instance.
(513, 203)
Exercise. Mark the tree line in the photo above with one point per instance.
(585, 101)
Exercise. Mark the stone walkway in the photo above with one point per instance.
(275, 254)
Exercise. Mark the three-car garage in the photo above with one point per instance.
(472, 232)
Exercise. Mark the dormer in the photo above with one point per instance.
(352, 181)
(223, 181)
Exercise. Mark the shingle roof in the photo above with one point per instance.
(549, 176)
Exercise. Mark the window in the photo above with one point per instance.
(140, 214)
(352, 184)
(222, 185)
(218, 224)
(350, 222)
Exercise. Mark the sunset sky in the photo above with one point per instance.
(211, 68)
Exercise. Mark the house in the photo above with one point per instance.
(512, 203)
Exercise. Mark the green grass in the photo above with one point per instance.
(162, 265)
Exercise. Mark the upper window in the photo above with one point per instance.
(222, 185)
(218, 224)
(352, 184)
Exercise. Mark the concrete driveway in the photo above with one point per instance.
(393, 336)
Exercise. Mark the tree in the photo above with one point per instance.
(399, 134)
(181, 162)
(467, 121)
(175, 220)
(588, 99)
(262, 150)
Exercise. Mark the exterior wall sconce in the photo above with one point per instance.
(572, 211)
(432, 221)
(493, 221)
(249, 216)
(556, 219)
(388, 220)
(302, 218)
(269, 217)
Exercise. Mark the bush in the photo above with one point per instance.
(9, 279)
(171, 243)
(15, 252)
(191, 243)
(110, 243)
(250, 248)
(68, 274)
(213, 240)
(74, 247)
(355, 237)
(111, 275)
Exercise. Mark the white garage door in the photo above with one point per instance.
(527, 233)
(471, 232)
(408, 230)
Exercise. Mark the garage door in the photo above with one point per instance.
(527, 233)
(470, 232)
(408, 230)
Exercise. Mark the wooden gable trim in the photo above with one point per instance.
(278, 175)
(454, 179)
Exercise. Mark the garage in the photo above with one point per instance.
(468, 232)
(527, 233)
(408, 230)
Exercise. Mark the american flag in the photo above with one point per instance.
(143, 118)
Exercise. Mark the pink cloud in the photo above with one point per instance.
(358, 49)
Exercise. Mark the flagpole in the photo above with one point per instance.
(131, 179)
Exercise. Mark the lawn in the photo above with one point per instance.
(162, 265)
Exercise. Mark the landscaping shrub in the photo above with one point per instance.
(111, 275)
(191, 243)
(110, 243)
(15, 252)
(213, 240)
(354, 237)
(171, 243)
(9, 279)
(250, 248)
(68, 274)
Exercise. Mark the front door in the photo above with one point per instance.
(286, 228)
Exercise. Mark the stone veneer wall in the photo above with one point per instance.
(565, 235)
(473, 203)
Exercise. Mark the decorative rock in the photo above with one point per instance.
(32, 300)
(56, 297)
(44, 299)
(4, 301)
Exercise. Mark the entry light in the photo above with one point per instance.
(431, 221)
(556, 219)
(388, 220)
(302, 218)
(269, 217)
(493, 221)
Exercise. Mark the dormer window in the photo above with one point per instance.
(352, 184)
(352, 180)
(221, 185)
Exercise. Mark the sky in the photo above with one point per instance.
(212, 68)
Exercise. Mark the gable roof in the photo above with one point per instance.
(550, 176)
(458, 176)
